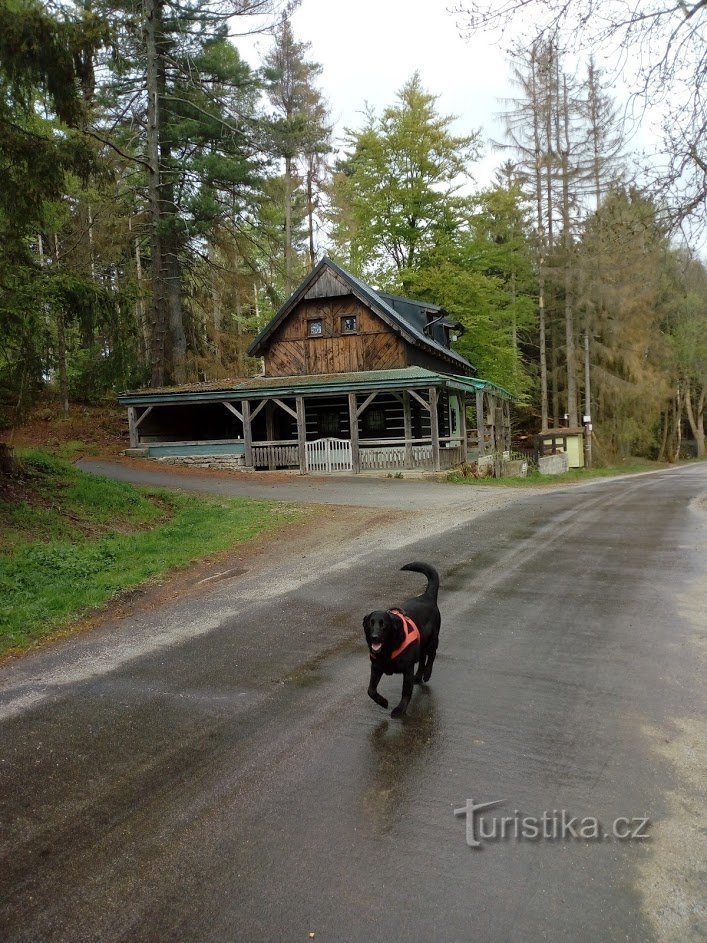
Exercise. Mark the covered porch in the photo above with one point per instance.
(387, 420)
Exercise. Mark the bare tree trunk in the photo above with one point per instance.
(554, 375)
(310, 210)
(153, 21)
(91, 247)
(8, 463)
(593, 114)
(664, 440)
(543, 350)
(217, 314)
(288, 226)
(61, 346)
(178, 336)
(572, 414)
(541, 245)
(61, 356)
(140, 306)
(696, 417)
(678, 424)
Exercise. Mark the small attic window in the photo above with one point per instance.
(349, 324)
(315, 327)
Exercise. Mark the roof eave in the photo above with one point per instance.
(368, 297)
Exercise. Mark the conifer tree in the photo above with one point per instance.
(299, 138)
(396, 190)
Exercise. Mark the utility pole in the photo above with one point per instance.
(587, 406)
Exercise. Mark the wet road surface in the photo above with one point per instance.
(236, 784)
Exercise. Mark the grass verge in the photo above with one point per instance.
(69, 541)
(573, 475)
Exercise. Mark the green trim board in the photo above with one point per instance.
(168, 449)
(314, 385)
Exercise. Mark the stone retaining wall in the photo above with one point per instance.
(226, 462)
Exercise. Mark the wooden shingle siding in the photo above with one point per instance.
(373, 346)
(388, 333)
(286, 359)
(328, 285)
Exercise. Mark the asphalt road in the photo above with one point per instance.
(213, 772)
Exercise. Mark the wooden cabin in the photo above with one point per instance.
(334, 323)
(353, 379)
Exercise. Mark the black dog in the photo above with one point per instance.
(400, 638)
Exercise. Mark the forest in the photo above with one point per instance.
(160, 198)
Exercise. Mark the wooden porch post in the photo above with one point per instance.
(462, 424)
(270, 433)
(480, 424)
(132, 428)
(492, 425)
(507, 424)
(434, 427)
(301, 435)
(407, 425)
(353, 430)
(247, 434)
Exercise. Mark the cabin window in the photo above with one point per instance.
(315, 328)
(329, 423)
(349, 324)
(374, 421)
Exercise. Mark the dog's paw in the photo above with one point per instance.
(427, 674)
(397, 711)
(383, 702)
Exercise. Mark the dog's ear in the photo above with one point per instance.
(367, 621)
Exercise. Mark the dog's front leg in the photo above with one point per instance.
(408, 680)
(376, 675)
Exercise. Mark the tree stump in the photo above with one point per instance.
(8, 462)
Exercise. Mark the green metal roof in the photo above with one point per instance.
(313, 385)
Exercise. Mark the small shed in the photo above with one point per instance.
(568, 440)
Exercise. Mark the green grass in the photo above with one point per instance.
(75, 449)
(83, 539)
(573, 475)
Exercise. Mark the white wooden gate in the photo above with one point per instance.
(329, 455)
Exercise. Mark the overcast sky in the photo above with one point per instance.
(369, 48)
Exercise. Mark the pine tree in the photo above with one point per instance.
(183, 104)
(45, 79)
(300, 137)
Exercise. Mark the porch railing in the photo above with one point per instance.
(276, 455)
(327, 455)
(398, 454)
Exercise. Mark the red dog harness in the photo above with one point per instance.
(412, 633)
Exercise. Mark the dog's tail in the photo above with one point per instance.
(432, 578)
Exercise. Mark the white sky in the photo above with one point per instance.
(369, 48)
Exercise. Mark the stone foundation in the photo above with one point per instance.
(223, 462)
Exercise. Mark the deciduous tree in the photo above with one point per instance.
(398, 187)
